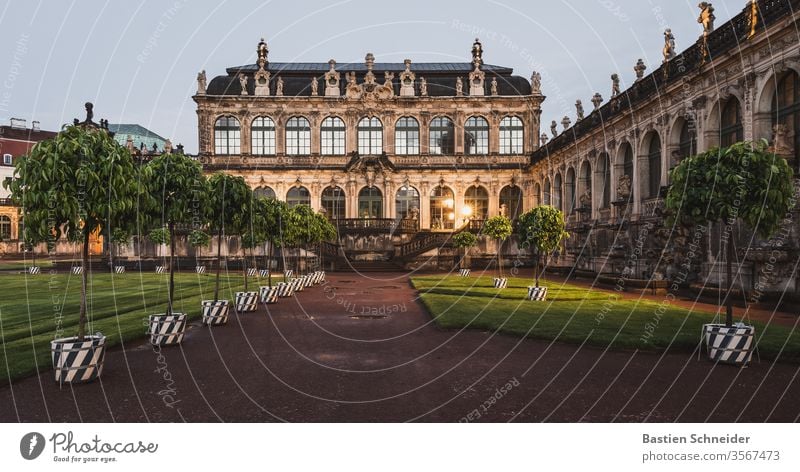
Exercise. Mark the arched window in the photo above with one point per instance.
(537, 195)
(476, 203)
(786, 107)
(227, 136)
(654, 167)
(298, 136)
(406, 136)
(332, 134)
(333, 202)
(688, 140)
(5, 228)
(605, 179)
(571, 190)
(585, 182)
(547, 196)
(298, 196)
(511, 197)
(557, 192)
(443, 214)
(511, 135)
(370, 203)
(476, 136)
(264, 192)
(370, 136)
(406, 202)
(731, 130)
(262, 136)
(442, 136)
(627, 162)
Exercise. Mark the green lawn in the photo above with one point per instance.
(576, 315)
(32, 307)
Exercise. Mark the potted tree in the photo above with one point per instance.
(464, 241)
(252, 236)
(323, 231)
(541, 229)
(80, 181)
(199, 239)
(30, 242)
(273, 212)
(175, 182)
(227, 195)
(498, 228)
(742, 183)
(119, 237)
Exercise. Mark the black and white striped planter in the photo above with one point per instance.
(214, 312)
(308, 280)
(288, 274)
(263, 273)
(500, 282)
(119, 269)
(161, 270)
(318, 277)
(200, 269)
(298, 284)
(34, 270)
(285, 289)
(268, 295)
(167, 330)
(537, 294)
(78, 361)
(463, 272)
(252, 272)
(77, 270)
(246, 301)
(729, 344)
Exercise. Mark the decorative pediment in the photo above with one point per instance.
(332, 80)
(407, 79)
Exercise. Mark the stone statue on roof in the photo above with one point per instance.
(243, 83)
(201, 82)
(669, 45)
(706, 17)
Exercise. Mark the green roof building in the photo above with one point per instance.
(140, 135)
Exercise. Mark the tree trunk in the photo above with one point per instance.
(500, 257)
(84, 280)
(536, 269)
(171, 292)
(244, 267)
(729, 274)
(269, 265)
(219, 264)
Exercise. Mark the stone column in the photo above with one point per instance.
(280, 135)
(424, 133)
(424, 206)
(494, 133)
(388, 133)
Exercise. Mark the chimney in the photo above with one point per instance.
(35, 125)
(18, 123)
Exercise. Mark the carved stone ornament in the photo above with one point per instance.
(624, 187)
(407, 79)
(332, 80)
(201, 82)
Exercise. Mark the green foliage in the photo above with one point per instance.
(542, 228)
(274, 213)
(743, 181)
(177, 189)
(464, 240)
(198, 238)
(229, 201)
(120, 236)
(498, 227)
(159, 235)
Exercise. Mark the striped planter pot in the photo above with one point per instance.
(77, 270)
(729, 344)
(308, 280)
(214, 312)
(246, 301)
(285, 289)
(316, 277)
(288, 274)
(200, 269)
(268, 295)
(463, 273)
(500, 282)
(119, 269)
(537, 293)
(78, 361)
(167, 330)
(34, 270)
(160, 270)
(263, 273)
(252, 272)
(298, 284)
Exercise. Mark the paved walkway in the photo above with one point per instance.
(362, 348)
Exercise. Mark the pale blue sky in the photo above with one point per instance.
(137, 60)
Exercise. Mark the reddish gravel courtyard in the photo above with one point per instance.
(362, 348)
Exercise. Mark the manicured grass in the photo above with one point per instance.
(33, 307)
(42, 262)
(578, 315)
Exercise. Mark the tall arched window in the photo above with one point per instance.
(537, 195)
(370, 203)
(511, 197)
(262, 136)
(585, 183)
(332, 134)
(298, 196)
(476, 201)
(370, 136)
(571, 189)
(786, 107)
(227, 136)
(730, 129)
(264, 192)
(627, 169)
(547, 194)
(654, 167)
(442, 208)
(298, 136)
(557, 192)
(442, 136)
(476, 136)
(687, 145)
(333, 202)
(406, 136)
(605, 179)
(406, 202)
(5, 228)
(511, 135)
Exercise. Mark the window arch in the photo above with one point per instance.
(537, 195)
(298, 196)
(571, 190)
(370, 136)
(298, 136)
(511, 197)
(406, 202)
(262, 136)
(654, 166)
(264, 192)
(687, 143)
(731, 130)
(332, 136)
(786, 107)
(547, 196)
(476, 135)
(406, 136)
(227, 136)
(442, 208)
(333, 202)
(442, 136)
(476, 200)
(605, 180)
(5, 228)
(585, 181)
(512, 134)
(370, 203)
(557, 192)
